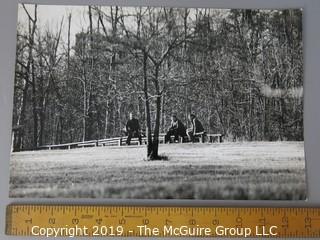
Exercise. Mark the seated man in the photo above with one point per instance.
(196, 127)
(133, 129)
(177, 129)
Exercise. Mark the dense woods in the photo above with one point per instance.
(239, 71)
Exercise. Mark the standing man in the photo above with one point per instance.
(133, 129)
(196, 127)
(177, 129)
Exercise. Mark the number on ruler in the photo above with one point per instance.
(75, 220)
(52, 220)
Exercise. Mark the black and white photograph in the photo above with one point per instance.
(143, 102)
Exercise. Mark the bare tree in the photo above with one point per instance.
(155, 41)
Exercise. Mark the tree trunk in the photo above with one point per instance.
(33, 79)
(185, 46)
(34, 106)
(84, 112)
(147, 105)
(163, 114)
(20, 132)
(106, 121)
(155, 143)
(42, 98)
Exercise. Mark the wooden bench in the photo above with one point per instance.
(144, 140)
(208, 137)
(162, 137)
(201, 136)
(180, 139)
(134, 141)
(211, 137)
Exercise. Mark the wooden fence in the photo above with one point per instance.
(121, 141)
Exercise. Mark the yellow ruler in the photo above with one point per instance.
(121, 221)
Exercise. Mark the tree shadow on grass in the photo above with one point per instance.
(160, 157)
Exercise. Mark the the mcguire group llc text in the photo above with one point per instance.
(145, 230)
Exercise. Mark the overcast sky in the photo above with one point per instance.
(50, 16)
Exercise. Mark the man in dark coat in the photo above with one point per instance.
(133, 129)
(196, 127)
(176, 129)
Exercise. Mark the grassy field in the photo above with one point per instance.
(254, 170)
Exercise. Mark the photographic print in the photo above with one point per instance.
(158, 103)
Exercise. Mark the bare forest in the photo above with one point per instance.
(239, 71)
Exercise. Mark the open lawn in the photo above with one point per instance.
(244, 170)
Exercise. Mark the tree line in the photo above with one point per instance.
(239, 71)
